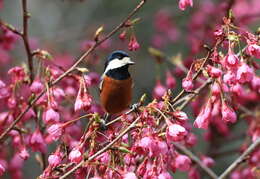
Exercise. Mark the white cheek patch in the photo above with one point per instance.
(116, 63)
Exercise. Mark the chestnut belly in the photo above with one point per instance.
(116, 95)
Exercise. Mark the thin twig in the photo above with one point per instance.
(194, 77)
(26, 17)
(240, 159)
(196, 160)
(102, 150)
(10, 27)
(80, 59)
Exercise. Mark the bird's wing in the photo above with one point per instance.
(101, 83)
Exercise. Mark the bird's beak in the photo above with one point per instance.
(130, 62)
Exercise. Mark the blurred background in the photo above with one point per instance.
(65, 29)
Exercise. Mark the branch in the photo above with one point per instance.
(10, 27)
(132, 125)
(26, 39)
(80, 59)
(240, 159)
(195, 159)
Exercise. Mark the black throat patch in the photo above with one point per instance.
(121, 73)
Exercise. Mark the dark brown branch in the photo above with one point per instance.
(195, 159)
(26, 17)
(10, 27)
(80, 59)
(240, 159)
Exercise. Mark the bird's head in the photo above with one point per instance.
(118, 59)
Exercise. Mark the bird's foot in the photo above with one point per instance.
(135, 107)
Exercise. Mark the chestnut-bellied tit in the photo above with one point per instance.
(116, 83)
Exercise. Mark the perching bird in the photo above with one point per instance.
(116, 85)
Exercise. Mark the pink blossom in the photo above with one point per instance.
(54, 160)
(130, 175)
(133, 45)
(122, 35)
(237, 89)
(180, 115)
(231, 60)
(187, 84)
(255, 83)
(37, 142)
(254, 50)
(36, 86)
(216, 89)
(194, 173)
(75, 155)
(104, 158)
(51, 116)
(184, 3)
(202, 120)
(208, 161)
(159, 90)
(17, 74)
(24, 154)
(176, 132)
(11, 102)
(164, 175)
(230, 77)
(182, 162)
(244, 73)
(55, 131)
(213, 71)
(170, 80)
(148, 144)
(228, 114)
(2, 169)
(83, 100)
(4, 90)
(191, 140)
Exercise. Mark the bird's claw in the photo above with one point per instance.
(135, 107)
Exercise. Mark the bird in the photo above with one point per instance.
(116, 83)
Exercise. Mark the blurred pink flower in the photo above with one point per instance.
(187, 84)
(202, 120)
(254, 50)
(75, 155)
(2, 169)
(159, 90)
(17, 74)
(244, 73)
(54, 159)
(55, 131)
(185, 3)
(51, 116)
(228, 114)
(129, 175)
(36, 86)
(176, 132)
(170, 80)
(182, 162)
(133, 45)
(24, 154)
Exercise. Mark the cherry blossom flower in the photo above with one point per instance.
(228, 114)
(185, 3)
(159, 90)
(176, 132)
